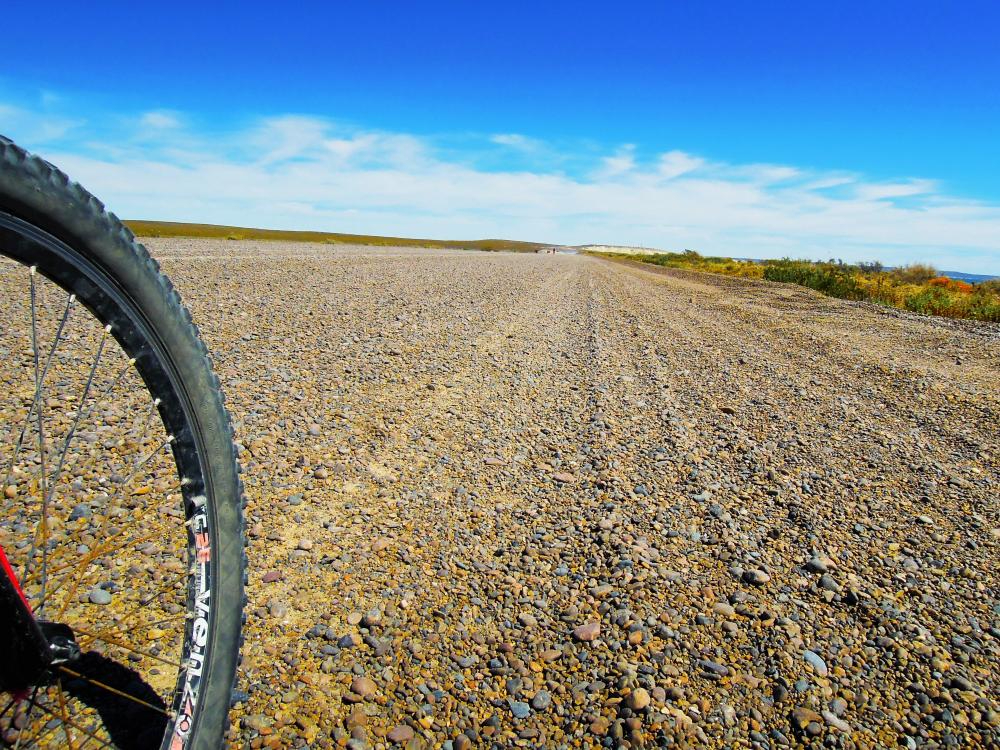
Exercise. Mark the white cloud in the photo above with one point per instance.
(305, 172)
(620, 164)
(43, 127)
(880, 191)
(518, 142)
(160, 120)
(675, 163)
(281, 138)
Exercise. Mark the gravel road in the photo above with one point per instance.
(516, 500)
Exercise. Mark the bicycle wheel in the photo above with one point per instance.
(121, 507)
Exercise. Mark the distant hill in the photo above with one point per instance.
(143, 228)
(972, 278)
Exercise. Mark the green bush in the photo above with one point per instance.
(990, 285)
(929, 301)
(931, 295)
(915, 273)
(984, 303)
(834, 279)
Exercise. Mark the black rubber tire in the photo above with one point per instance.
(34, 191)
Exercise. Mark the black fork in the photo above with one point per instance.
(35, 646)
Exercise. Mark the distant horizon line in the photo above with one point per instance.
(150, 227)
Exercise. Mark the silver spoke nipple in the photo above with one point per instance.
(107, 328)
(33, 269)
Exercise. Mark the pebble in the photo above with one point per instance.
(587, 632)
(638, 699)
(400, 734)
(527, 620)
(756, 577)
(723, 609)
(819, 564)
(80, 510)
(541, 701)
(520, 709)
(599, 726)
(827, 582)
(713, 667)
(836, 722)
(363, 687)
(99, 596)
(803, 716)
(816, 661)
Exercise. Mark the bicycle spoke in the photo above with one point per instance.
(90, 557)
(78, 727)
(93, 637)
(65, 716)
(149, 599)
(139, 627)
(47, 498)
(79, 410)
(114, 691)
(10, 704)
(70, 301)
(152, 454)
(149, 416)
(27, 718)
(41, 433)
(92, 460)
(36, 406)
(94, 554)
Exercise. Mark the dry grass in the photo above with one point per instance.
(917, 288)
(217, 231)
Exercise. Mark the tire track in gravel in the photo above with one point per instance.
(895, 416)
(892, 506)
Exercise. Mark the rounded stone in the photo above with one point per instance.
(99, 596)
(638, 699)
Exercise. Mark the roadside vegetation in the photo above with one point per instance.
(917, 288)
(217, 231)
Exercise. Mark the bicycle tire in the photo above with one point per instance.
(87, 251)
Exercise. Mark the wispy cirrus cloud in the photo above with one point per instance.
(518, 141)
(43, 126)
(300, 171)
(676, 163)
(159, 120)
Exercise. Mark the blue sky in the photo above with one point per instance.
(855, 130)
